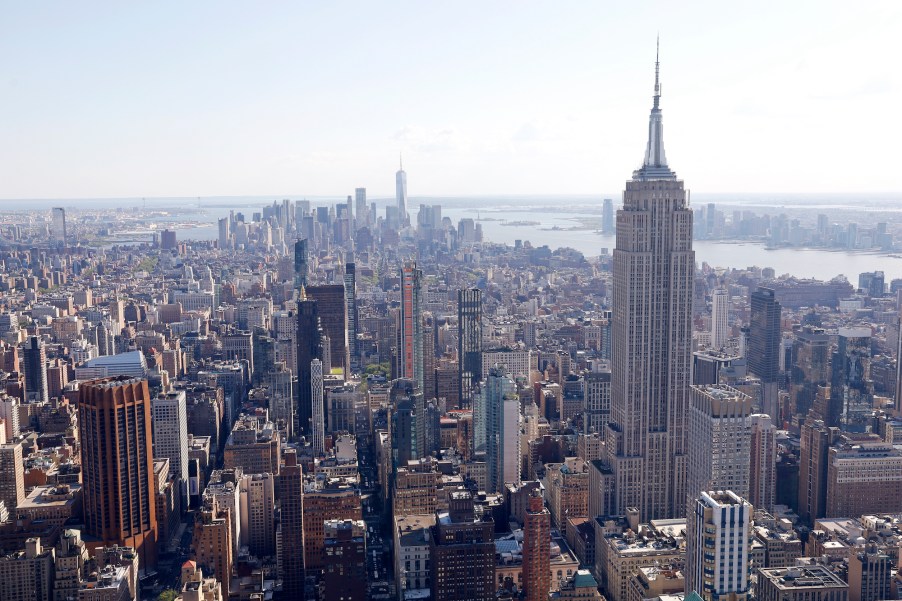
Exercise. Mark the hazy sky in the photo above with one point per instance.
(315, 98)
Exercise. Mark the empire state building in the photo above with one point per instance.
(654, 264)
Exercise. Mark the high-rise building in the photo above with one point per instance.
(536, 543)
(168, 240)
(291, 498)
(239, 346)
(607, 216)
(462, 551)
(654, 268)
(114, 421)
(408, 422)
(361, 207)
(720, 318)
(12, 475)
(9, 413)
(318, 404)
(597, 400)
(58, 226)
(333, 317)
(170, 434)
(321, 505)
(764, 345)
(469, 335)
(35, 360)
(310, 347)
(719, 540)
(258, 514)
(301, 267)
(410, 332)
(28, 573)
(225, 233)
(401, 195)
(281, 398)
(344, 561)
(814, 448)
(350, 282)
(763, 462)
(810, 368)
(851, 388)
(502, 430)
(720, 430)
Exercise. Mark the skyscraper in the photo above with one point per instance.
(225, 233)
(462, 552)
(536, 544)
(469, 335)
(58, 226)
(718, 538)
(361, 207)
(764, 345)
(333, 317)
(114, 422)
(318, 421)
(344, 560)
(291, 496)
(350, 282)
(300, 263)
(35, 371)
(401, 195)
(502, 425)
(410, 334)
(654, 267)
(763, 464)
(170, 434)
(309, 340)
(851, 388)
(720, 318)
(720, 431)
(607, 216)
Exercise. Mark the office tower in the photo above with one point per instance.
(318, 421)
(12, 476)
(872, 283)
(763, 462)
(720, 318)
(764, 346)
(225, 233)
(469, 335)
(170, 434)
(720, 430)
(9, 413)
(213, 542)
(462, 550)
(35, 363)
(350, 282)
(864, 476)
(333, 318)
(408, 422)
(254, 446)
(718, 539)
(320, 505)
(281, 398)
(291, 500)
(310, 347)
(851, 387)
(502, 430)
(58, 226)
(401, 195)
(654, 268)
(870, 574)
(114, 422)
(536, 545)
(361, 206)
(301, 267)
(239, 346)
(410, 332)
(814, 447)
(344, 561)
(597, 400)
(810, 368)
(168, 240)
(258, 526)
(607, 216)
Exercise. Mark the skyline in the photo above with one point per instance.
(203, 107)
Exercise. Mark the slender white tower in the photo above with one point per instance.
(720, 318)
(401, 194)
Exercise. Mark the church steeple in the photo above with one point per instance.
(655, 164)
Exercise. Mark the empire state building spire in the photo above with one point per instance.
(655, 164)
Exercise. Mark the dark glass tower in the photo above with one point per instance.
(309, 348)
(35, 371)
(469, 334)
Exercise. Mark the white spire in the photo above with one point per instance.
(655, 164)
